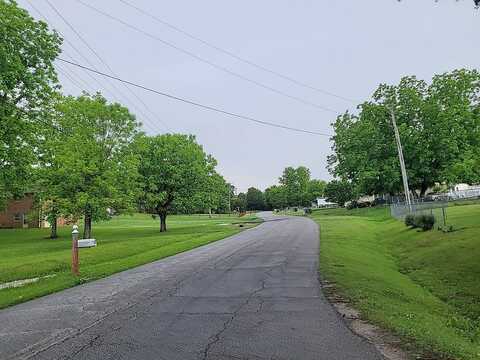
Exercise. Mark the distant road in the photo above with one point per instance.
(252, 296)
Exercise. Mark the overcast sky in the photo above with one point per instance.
(343, 47)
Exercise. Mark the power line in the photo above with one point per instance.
(69, 77)
(201, 59)
(150, 125)
(84, 84)
(207, 107)
(84, 58)
(101, 60)
(233, 55)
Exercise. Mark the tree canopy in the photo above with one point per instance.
(439, 126)
(27, 85)
(276, 197)
(255, 199)
(239, 202)
(89, 167)
(339, 192)
(174, 170)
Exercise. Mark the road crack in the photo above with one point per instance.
(217, 336)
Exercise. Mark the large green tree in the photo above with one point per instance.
(89, 167)
(255, 199)
(27, 84)
(315, 189)
(438, 125)
(339, 192)
(173, 171)
(214, 193)
(276, 197)
(295, 182)
(239, 202)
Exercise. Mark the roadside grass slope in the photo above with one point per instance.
(123, 243)
(424, 286)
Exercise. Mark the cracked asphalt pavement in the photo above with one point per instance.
(254, 296)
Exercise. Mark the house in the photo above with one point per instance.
(322, 203)
(23, 213)
(20, 213)
(366, 199)
(464, 187)
(464, 191)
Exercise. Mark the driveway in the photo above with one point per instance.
(254, 295)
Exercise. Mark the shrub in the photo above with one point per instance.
(364, 204)
(410, 220)
(352, 205)
(308, 211)
(425, 222)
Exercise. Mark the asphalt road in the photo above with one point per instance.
(254, 296)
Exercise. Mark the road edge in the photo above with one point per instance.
(387, 344)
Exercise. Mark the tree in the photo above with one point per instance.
(275, 197)
(255, 199)
(339, 192)
(315, 189)
(27, 84)
(239, 202)
(90, 168)
(296, 182)
(438, 126)
(214, 194)
(173, 170)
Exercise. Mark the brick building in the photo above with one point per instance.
(20, 214)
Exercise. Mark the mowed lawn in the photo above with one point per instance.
(123, 242)
(425, 286)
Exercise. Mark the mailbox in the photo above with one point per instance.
(87, 243)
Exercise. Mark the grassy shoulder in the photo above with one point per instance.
(123, 243)
(421, 285)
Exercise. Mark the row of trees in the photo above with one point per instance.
(439, 126)
(82, 156)
(95, 161)
(296, 188)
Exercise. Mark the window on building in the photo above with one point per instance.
(17, 217)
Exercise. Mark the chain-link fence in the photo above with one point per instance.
(436, 208)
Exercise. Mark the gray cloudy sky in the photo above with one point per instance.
(345, 47)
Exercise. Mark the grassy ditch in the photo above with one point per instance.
(423, 286)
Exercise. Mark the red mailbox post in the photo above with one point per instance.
(75, 250)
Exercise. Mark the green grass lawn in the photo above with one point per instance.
(123, 242)
(424, 286)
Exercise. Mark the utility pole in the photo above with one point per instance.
(229, 201)
(402, 161)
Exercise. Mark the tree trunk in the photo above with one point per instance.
(423, 190)
(210, 213)
(163, 220)
(87, 226)
(53, 228)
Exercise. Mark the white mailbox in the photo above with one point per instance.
(87, 243)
